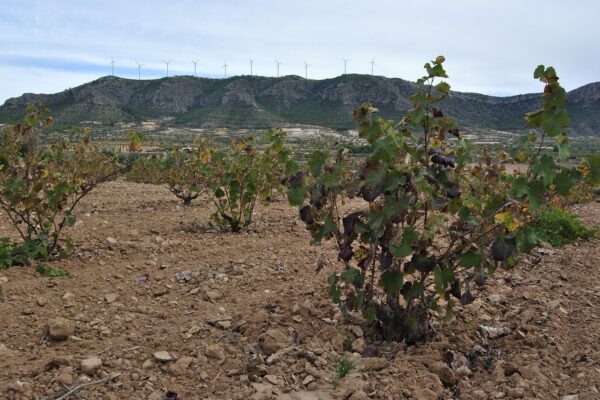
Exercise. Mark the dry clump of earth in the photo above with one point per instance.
(164, 306)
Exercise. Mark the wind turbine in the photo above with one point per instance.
(112, 66)
(345, 62)
(372, 62)
(278, 63)
(195, 64)
(306, 70)
(139, 70)
(167, 62)
(224, 66)
(251, 62)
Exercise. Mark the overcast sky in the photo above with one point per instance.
(491, 46)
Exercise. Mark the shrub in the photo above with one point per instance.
(236, 178)
(178, 171)
(423, 220)
(20, 253)
(45, 269)
(135, 141)
(40, 185)
(559, 227)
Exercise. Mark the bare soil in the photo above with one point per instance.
(153, 276)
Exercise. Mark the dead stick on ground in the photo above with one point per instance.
(80, 386)
(74, 394)
(219, 374)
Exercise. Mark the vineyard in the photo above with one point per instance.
(410, 265)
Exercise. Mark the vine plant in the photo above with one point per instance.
(40, 185)
(236, 178)
(421, 221)
(177, 170)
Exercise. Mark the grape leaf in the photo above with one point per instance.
(470, 259)
(392, 282)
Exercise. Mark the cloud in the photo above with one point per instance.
(491, 46)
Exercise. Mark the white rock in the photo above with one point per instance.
(111, 297)
(493, 332)
(60, 329)
(89, 366)
(162, 356)
(308, 380)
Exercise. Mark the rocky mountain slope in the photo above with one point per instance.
(252, 101)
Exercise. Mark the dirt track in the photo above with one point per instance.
(150, 277)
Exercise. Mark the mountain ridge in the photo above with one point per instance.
(256, 102)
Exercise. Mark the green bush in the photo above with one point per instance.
(236, 178)
(20, 253)
(177, 170)
(41, 184)
(559, 227)
(427, 219)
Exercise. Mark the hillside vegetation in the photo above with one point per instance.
(257, 102)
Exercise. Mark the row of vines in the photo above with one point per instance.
(418, 222)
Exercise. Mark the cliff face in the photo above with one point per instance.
(246, 101)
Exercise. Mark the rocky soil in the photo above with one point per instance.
(162, 306)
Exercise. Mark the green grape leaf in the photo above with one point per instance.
(526, 239)
(519, 186)
(335, 293)
(470, 259)
(536, 192)
(409, 236)
(539, 72)
(545, 167)
(442, 276)
(443, 87)
(564, 181)
(353, 276)
(296, 196)
(392, 282)
(328, 227)
(69, 219)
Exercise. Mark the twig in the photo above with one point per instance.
(103, 351)
(74, 394)
(80, 386)
(216, 377)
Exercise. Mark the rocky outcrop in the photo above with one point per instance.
(251, 101)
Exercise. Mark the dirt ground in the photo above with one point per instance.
(164, 306)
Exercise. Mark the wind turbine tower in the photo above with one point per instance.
(224, 66)
(195, 64)
(139, 70)
(251, 62)
(167, 62)
(372, 62)
(112, 67)
(278, 63)
(306, 70)
(345, 63)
